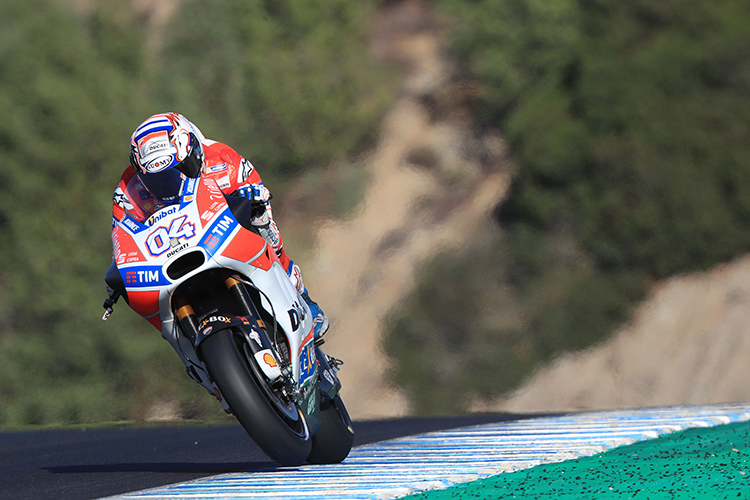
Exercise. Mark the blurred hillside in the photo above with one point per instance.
(434, 181)
(628, 125)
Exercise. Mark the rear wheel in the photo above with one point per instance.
(332, 443)
(274, 422)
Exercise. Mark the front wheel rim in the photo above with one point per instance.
(287, 410)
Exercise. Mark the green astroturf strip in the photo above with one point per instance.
(702, 463)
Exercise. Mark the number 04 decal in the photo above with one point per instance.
(158, 241)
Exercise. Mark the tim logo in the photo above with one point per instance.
(142, 277)
(218, 232)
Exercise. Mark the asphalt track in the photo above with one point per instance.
(431, 462)
(432, 455)
(84, 464)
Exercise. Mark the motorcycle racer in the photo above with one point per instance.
(165, 150)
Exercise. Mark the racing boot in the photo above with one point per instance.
(320, 320)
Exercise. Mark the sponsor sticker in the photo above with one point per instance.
(161, 214)
(132, 224)
(158, 164)
(143, 276)
(270, 360)
(218, 232)
(217, 168)
(267, 363)
(307, 362)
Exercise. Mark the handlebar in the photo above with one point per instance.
(109, 304)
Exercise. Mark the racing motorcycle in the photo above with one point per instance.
(203, 275)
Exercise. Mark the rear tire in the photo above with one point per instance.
(332, 443)
(277, 426)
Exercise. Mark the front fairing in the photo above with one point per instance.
(156, 256)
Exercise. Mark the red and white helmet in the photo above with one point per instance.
(164, 150)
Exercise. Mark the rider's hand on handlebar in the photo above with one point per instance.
(257, 193)
(259, 196)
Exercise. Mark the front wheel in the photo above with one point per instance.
(332, 443)
(276, 424)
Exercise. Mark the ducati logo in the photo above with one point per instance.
(296, 315)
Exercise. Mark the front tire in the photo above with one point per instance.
(332, 443)
(276, 425)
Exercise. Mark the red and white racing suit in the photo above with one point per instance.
(231, 172)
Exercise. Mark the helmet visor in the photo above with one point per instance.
(191, 166)
(164, 185)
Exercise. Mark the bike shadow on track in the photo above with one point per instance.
(164, 467)
(226, 449)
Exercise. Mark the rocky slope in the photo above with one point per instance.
(432, 183)
(689, 343)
